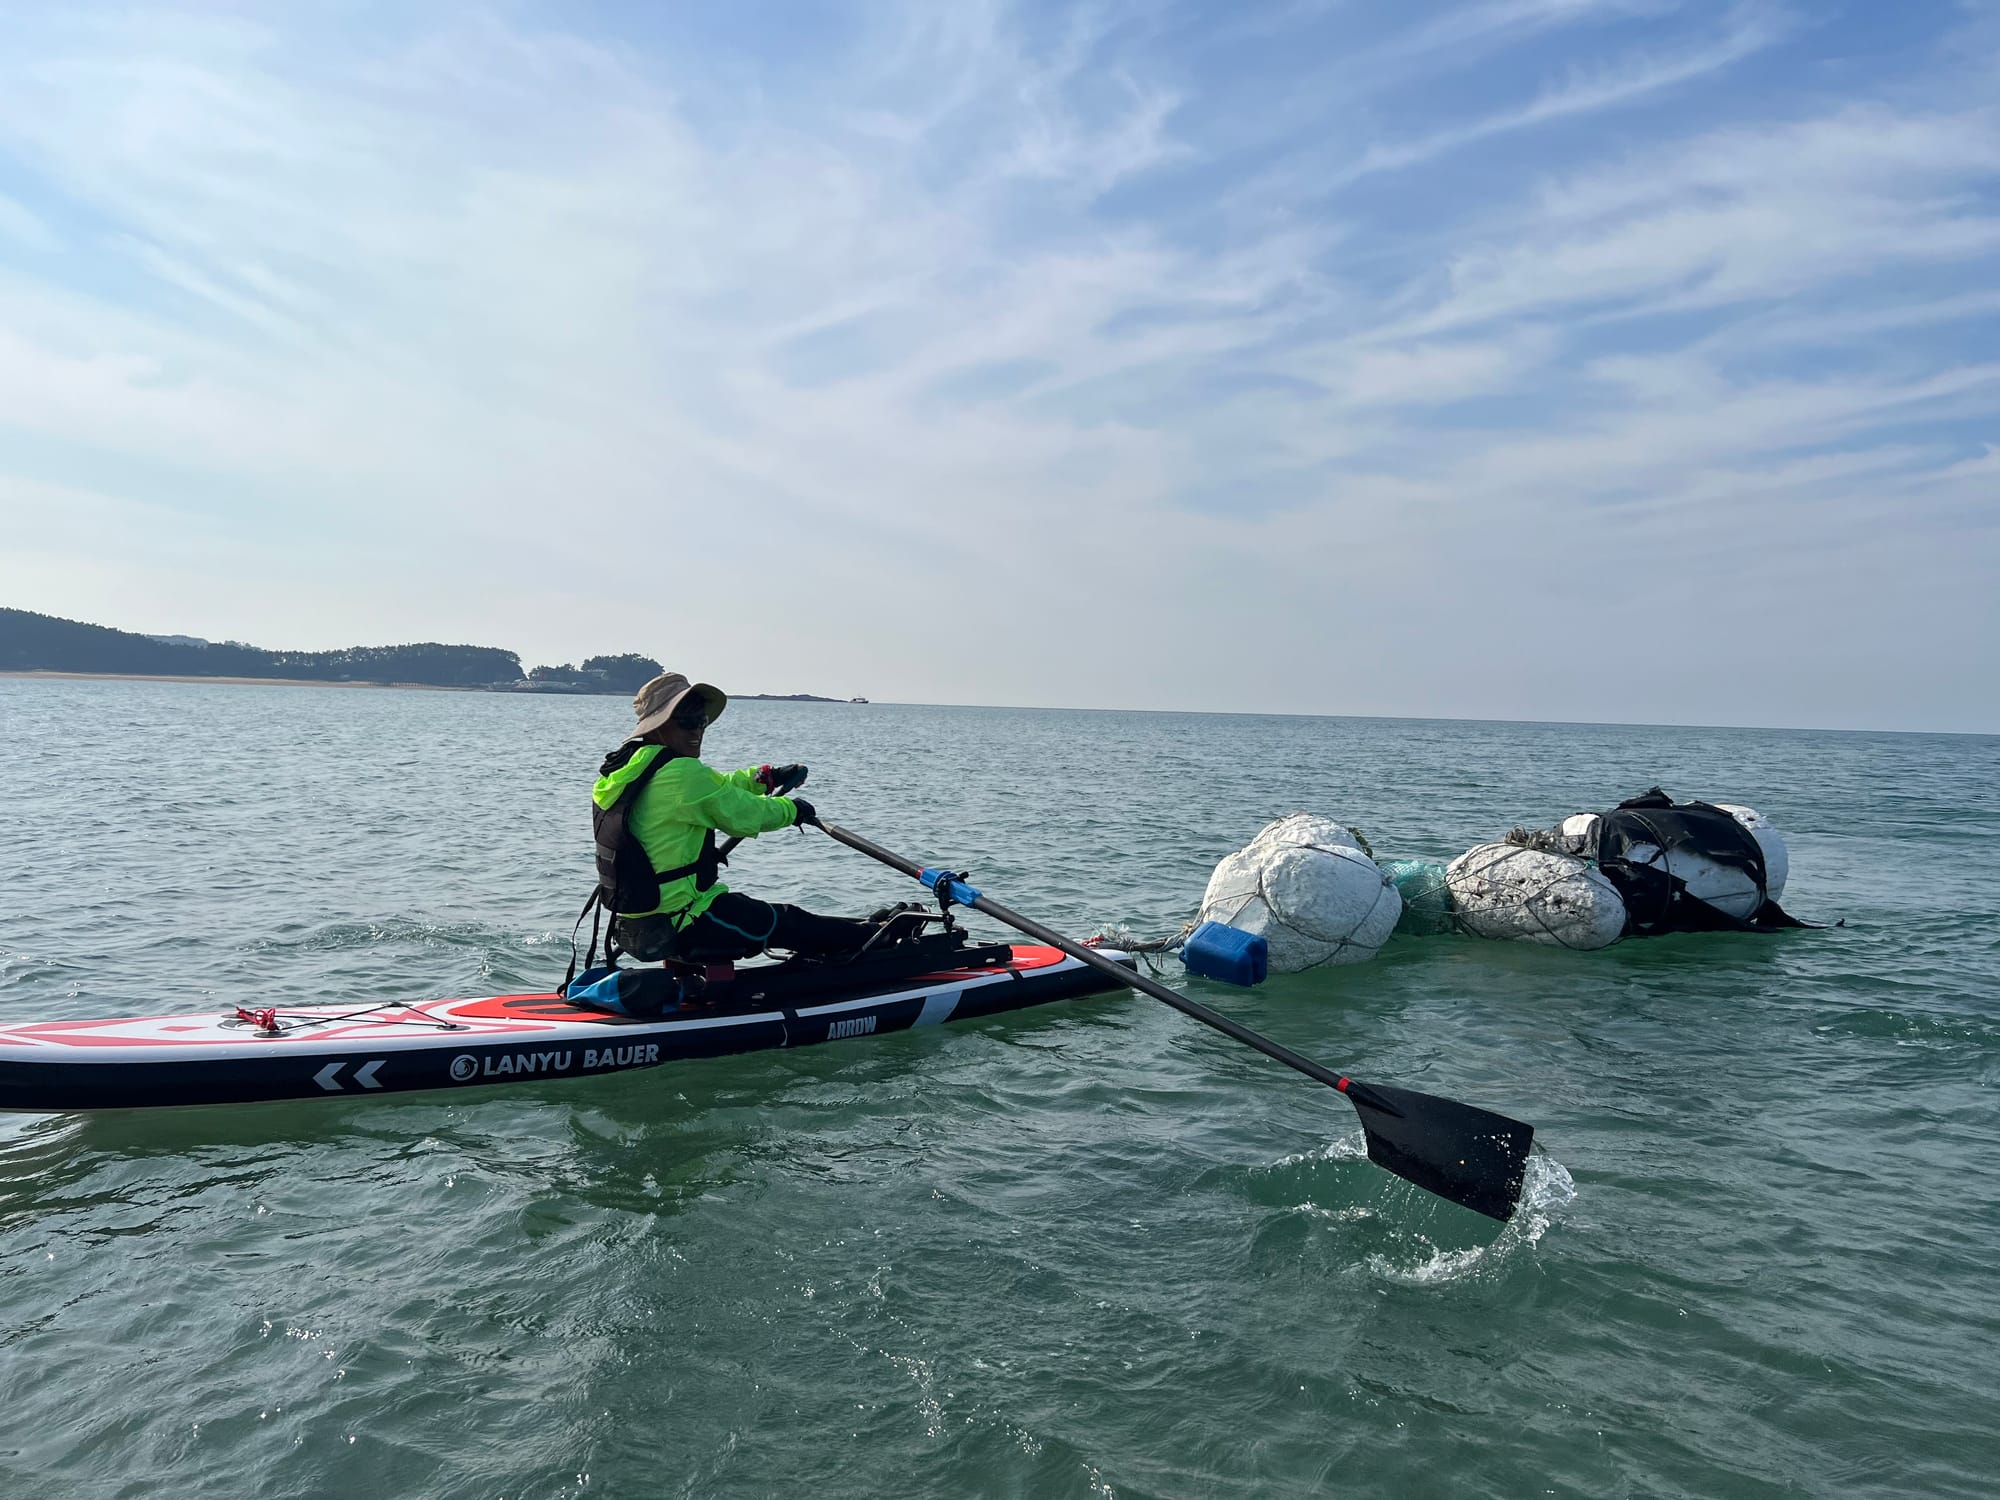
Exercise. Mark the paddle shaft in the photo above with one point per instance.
(1470, 1156)
(1193, 1009)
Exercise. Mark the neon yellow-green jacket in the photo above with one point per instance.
(673, 812)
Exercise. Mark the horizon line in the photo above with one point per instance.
(57, 675)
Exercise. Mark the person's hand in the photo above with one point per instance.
(806, 813)
(779, 780)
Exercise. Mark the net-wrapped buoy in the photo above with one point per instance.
(1305, 885)
(1426, 897)
(1777, 858)
(1507, 891)
(1688, 866)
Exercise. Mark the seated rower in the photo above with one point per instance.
(656, 811)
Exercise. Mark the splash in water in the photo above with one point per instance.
(1546, 1189)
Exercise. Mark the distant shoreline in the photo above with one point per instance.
(326, 682)
(313, 682)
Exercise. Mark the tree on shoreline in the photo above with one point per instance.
(627, 673)
(32, 642)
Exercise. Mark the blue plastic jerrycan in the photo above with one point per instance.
(1215, 951)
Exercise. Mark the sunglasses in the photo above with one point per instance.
(694, 716)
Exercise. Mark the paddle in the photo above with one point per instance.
(1469, 1155)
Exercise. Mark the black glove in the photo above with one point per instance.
(806, 813)
(779, 780)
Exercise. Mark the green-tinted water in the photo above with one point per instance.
(1086, 1250)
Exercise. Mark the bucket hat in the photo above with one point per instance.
(656, 701)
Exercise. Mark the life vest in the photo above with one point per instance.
(626, 879)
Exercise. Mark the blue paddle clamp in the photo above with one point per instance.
(950, 888)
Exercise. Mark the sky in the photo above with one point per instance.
(1606, 360)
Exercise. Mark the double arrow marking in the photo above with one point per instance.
(328, 1077)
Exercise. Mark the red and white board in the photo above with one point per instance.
(319, 1052)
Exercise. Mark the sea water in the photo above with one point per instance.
(1090, 1249)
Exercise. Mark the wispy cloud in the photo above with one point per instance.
(1488, 23)
(1738, 216)
(1588, 90)
(694, 342)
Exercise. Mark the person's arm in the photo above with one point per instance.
(733, 808)
(770, 781)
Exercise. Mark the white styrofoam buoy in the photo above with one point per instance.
(1311, 830)
(1777, 858)
(1508, 892)
(1305, 885)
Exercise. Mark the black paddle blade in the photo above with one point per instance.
(1471, 1156)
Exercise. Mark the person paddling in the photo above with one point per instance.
(656, 810)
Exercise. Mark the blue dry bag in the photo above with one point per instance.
(625, 992)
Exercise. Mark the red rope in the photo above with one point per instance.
(263, 1020)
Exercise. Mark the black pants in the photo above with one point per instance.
(737, 926)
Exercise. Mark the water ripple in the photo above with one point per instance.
(1087, 1250)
